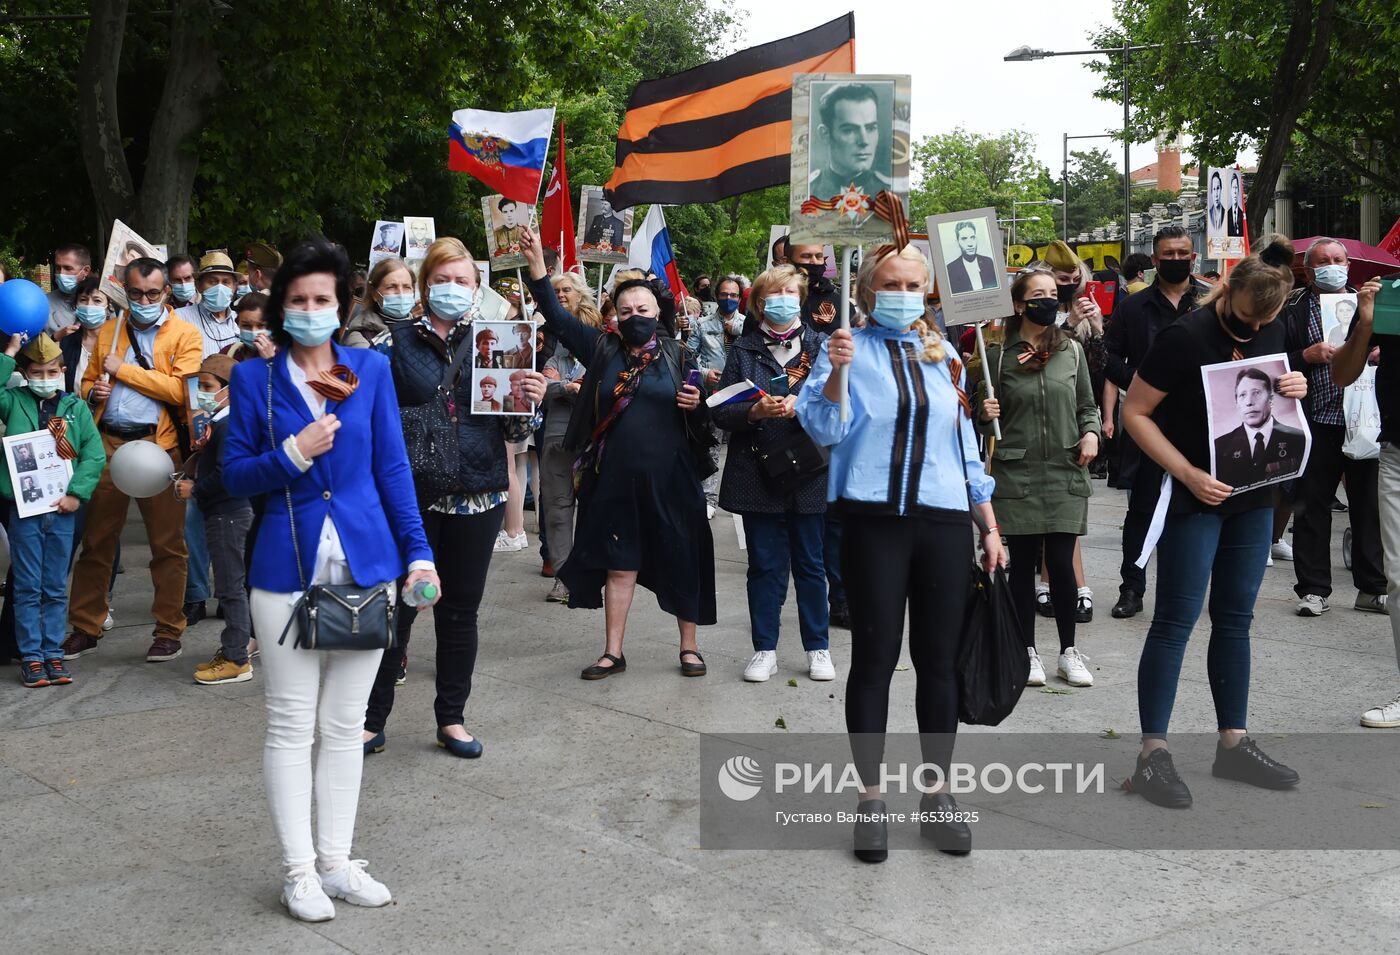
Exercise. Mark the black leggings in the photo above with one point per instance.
(462, 546)
(924, 562)
(1025, 550)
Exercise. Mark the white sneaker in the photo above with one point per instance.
(504, 542)
(353, 884)
(763, 665)
(109, 623)
(709, 512)
(1383, 717)
(1270, 561)
(1312, 605)
(1282, 550)
(306, 900)
(1072, 669)
(819, 666)
(1037, 677)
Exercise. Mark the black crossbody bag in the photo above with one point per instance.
(334, 616)
(430, 437)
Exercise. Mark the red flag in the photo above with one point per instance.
(1391, 242)
(557, 227)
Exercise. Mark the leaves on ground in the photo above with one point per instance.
(1056, 691)
(901, 667)
(780, 723)
(1110, 733)
(1374, 805)
(792, 682)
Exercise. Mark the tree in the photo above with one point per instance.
(963, 170)
(1095, 190)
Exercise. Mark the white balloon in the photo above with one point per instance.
(141, 469)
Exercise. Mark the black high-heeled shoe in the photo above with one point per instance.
(872, 836)
(947, 830)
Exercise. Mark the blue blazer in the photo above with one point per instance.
(364, 481)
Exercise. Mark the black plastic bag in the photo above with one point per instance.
(993, 665)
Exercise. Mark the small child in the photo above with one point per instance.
(41, 546)
(226, 523)
(254, 340)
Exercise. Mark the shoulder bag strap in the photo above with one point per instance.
(291, 515)
(449, 376)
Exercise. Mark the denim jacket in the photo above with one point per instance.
(898, 453)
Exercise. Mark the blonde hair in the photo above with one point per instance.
(442, 252)
(865, 295)
(1265, 278)
(777, 276)
(587, 309)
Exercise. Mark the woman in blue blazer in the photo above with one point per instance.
(338, 449)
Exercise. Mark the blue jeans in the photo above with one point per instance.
(831, 557)
(1228, 553)
(777, 543)
(40, 548)
(197, 589)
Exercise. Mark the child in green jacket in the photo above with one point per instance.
(41, 545)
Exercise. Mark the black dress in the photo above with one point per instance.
(644, 509)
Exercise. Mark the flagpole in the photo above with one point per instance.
(987, 377)
(601, 266)
(843, 373)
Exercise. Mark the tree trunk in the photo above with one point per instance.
(1305, 54)
(192, 76)
(733, 212)
(97, 112)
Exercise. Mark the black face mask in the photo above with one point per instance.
(1042, 311)
(1174, 271)
(1239, 329)
(637, 330)
(705, 294)
(1066, 293)
(816, 276)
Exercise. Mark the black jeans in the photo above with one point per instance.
(462, 547)
(889, 563)
(1025, 550)
(1312, 524)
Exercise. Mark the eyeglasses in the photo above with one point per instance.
(150, 295)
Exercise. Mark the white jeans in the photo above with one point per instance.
(292, 685)
(1388, 490)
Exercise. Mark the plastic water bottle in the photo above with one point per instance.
(421, 593)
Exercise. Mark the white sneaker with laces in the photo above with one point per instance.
(353, 884)
(763, 665)
(506, 543)
(1037, 677)
(819, 665)
(709, 512)
(1383, 717)
(1282, 550)
(305, 899)
(109, 623)
(1072, 669)
(1312, 605)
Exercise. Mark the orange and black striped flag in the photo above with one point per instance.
(723, 128)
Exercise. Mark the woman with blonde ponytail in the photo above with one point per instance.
(1213, 540)
(903, 466)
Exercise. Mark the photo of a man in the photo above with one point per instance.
(851, 144)
(1215, 206)
(487, 403)
(420, 235)
(1234, 216)
(605, 225)
(24, 458)
(28, 491)
(514, 218)
(516, 402)
(1261, 449)
(389, 238)
(522, 353)
(486, 355)
(968, 269)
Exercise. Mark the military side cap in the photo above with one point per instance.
(1061, 257)
(264, 255)
(41, 349)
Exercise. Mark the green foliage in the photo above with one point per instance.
(963, 170)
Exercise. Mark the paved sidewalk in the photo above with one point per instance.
(132, 815)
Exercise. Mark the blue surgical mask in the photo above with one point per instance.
(397, 306)
(1330, 277)
(728, 306)
(898, 310)
(249, 336)
(66, 283)
(208, 401)
(244, 289)
(311, 328)
(218, 297)
(451, 301)
(92, 316)
(780, 310)
(43, 388)
(184, 291)
(147, 312)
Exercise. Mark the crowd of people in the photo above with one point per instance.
(333, 436)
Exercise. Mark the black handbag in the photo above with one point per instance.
(430, 438)
(334, 616)
(787, 458)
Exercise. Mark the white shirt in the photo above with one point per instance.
(1267, 431)
(973, 269)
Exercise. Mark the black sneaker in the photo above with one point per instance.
(1084, 609)
(1129, 605)
(1043, 606)
(1246, 763)
(872, 836)
(195, 611)
(1156, 780)
(841, 615)
(402, 677)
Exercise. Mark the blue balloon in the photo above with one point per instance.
(24, 308)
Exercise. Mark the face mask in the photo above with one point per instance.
(208, 401)
(249, 336)
(637, 330)
(780, 310)
(1174, 271)
(397, 306)
(898, 310)
(1066, 293)
(92, 316)
(728, 306)
(1238, 328)
(1042, 311)
(244, 289)
(705, 295)
(311, 328)
(144, 313)
(218, 297)
(66, 283)
(183, 291)
(43, 388)
(1330, 277)
(450, 301)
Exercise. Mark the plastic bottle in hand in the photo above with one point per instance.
(420, 593)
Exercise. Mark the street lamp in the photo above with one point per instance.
(1012, 221)
(1064, 176)
(1028, 202)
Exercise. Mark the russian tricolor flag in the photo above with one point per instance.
(739, 391)
(651, 250)
(506, 151)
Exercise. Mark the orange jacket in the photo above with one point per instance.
(178, 352)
